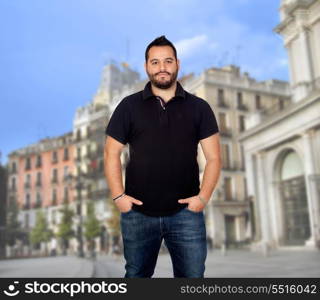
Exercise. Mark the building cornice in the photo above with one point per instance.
(294, 108)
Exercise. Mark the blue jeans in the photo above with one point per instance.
(184, 234)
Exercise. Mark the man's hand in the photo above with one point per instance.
(124, 203)
(194, 203)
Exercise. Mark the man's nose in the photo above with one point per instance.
(162, 66)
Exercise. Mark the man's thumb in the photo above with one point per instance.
(183, 201)
(135, 201)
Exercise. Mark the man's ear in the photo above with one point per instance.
(178, 63)
(145, 66)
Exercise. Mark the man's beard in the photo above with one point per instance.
(163, 84)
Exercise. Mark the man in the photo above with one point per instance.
(163, 125)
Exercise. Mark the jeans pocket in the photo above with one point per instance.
(127, 212)
(194, 212)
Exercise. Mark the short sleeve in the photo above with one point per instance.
(119, 123)
(207, 123)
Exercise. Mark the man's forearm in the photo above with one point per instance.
(113, 172)
(210, 178)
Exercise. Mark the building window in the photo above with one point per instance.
(88, 131)
(39, 161)
(224, 130)
(55, 176)
(65, 172)
(225, 156)
(39, 179)
(53, 217)
(38, 200)
(13, 184)
(66, 154)
(228, 189)
(54, 157)
(14, 168)
(88, 150)
(241, 123)
(221, 99)
(26, 220)
(28, 163)
(89, 191)
(27, 183)
(27, 201)
(281, 104)
(54, 197)
(78, 135)
(240, 104)
(65, 194)
(258, 102)
(78, 153)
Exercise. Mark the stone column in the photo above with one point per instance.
(312, 195)
(263, 202)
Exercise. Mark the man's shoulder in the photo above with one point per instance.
(196, 100)
(133, 97)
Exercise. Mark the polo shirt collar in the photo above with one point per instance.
(147, 92)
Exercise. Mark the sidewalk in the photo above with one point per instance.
(236, 263)
(59, 266)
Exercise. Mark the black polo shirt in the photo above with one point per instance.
(163, 139)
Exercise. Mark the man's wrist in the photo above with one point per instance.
(203, 200)
(119, 196)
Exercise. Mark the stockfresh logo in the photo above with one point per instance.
(12, 291)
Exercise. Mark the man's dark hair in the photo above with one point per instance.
(160, 41)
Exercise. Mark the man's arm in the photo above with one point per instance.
(211, 150)
(112, 166)
(113, 173)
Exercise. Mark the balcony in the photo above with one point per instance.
(38, 184)
(242, 107)
(54, 180)
(13, 171)
(26, 206)
(38, 204)
(27, 185)
(12, 189)
(222, 104)
(226, 132)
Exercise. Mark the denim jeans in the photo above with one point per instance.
(184, 234)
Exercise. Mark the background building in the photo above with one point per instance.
(233, 96)
(38, 180)
(3, 207)
(281, 149)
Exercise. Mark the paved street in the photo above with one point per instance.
(236, 263)
(60, 266)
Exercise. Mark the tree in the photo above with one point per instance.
(13, 227)
(114, 225)
(40, 233)
(65, 231)
(92, 227)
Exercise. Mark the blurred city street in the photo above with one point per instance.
(235, 263)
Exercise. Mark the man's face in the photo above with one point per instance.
(162, 67)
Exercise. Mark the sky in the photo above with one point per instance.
(52, 51)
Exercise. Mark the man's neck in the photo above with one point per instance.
(165, 94)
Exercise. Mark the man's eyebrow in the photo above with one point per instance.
(155, 59)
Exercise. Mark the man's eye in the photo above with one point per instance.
(169, 61)
(154, 63)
